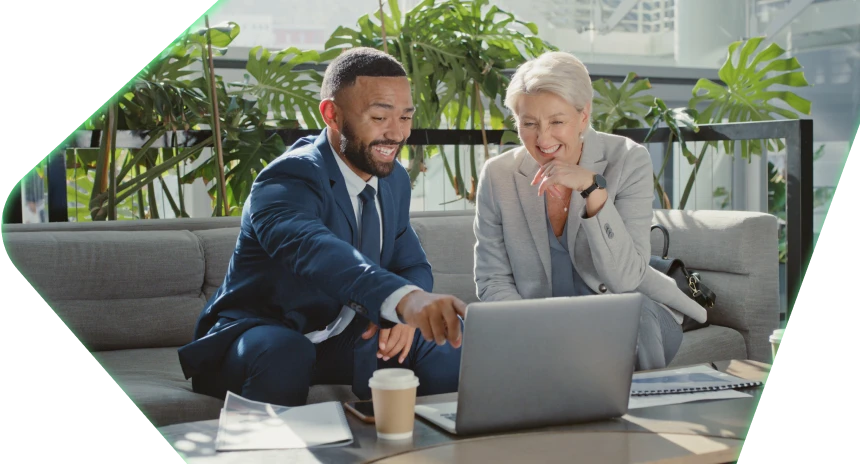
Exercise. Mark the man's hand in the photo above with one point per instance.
(392, 341)
(434, 315)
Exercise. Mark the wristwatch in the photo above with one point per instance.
(599, 183)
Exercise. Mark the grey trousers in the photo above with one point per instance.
(659, 337)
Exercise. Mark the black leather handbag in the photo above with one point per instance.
(689, 282)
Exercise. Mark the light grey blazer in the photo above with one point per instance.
(610, 251)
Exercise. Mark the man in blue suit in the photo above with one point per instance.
(328, 281)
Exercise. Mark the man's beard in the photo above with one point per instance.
(361, 155)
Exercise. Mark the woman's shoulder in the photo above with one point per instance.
(619, 144)
(506, 161)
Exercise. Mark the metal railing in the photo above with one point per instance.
(797, 135)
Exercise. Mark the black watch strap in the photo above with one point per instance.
(599, 182)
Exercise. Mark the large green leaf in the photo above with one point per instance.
(748, 93)
(221, 35)
(246, 158)
(451, 50)
(619, 107)
(283, 90)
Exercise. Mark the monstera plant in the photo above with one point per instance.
(166, 96)
(752, 89)
(456, 54)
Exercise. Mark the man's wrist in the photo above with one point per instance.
(401, 305)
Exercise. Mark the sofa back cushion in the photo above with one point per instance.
(449, 242)
(116, 290)
(145, 288)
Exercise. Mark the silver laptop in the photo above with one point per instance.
(535, 363)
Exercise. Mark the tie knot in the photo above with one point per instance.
(367, 194)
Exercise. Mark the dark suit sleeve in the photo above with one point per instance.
(285, 207)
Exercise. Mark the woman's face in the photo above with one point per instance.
(549, 127)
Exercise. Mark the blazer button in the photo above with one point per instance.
(602, 288)
(609, 232)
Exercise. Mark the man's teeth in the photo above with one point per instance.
(549, 151)
(385, 151)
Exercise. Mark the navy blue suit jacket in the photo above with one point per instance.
(295, 262)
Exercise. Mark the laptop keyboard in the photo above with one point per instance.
(450, 416)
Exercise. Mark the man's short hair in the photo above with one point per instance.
(354, 62)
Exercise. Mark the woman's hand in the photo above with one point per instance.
(394, 342)
(556, 173)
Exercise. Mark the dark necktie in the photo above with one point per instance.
(365, 361)
(369, 236)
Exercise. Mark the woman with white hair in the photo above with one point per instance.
(569, 212)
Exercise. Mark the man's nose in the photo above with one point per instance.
(395, 131)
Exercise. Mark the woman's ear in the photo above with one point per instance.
(586, 115)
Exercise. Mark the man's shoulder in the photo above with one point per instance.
(302, 159)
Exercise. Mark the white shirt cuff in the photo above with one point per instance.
(389, 306)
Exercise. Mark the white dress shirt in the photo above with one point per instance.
(354, 186)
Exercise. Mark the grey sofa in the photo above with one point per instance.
(131, 290)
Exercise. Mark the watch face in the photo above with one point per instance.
(600, 181)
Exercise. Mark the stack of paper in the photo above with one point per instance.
(686, 380)
(684, 385)
(252, 425)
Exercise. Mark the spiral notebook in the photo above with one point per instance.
(686, 380)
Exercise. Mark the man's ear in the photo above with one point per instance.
(330, 114)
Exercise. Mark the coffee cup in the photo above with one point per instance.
(394, 391)
(775, 339)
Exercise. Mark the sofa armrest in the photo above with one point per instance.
(736, 253)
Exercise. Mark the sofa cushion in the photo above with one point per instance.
(449, 243)
(712, 343)
(153, 379)
(218, 246)
(116, 290)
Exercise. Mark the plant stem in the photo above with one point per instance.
(216, 119)
(382, 23)
(112, 170)
(150, 191)
(139, 193)
(692, 179)
(130, 187)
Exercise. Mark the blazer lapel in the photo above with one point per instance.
(389, 221)
(593, 160)
(338, 185)
(533, 207)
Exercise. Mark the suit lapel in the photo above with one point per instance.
(389, 221)
(533, 208)
(594, 160)
(338, 185)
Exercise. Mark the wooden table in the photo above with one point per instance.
(699, 432)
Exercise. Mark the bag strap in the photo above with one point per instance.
(665, 254)
(701, 293)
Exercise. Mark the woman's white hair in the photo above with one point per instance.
(558, 72)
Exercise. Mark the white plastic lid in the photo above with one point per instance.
(393, 379)
(777, 335)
